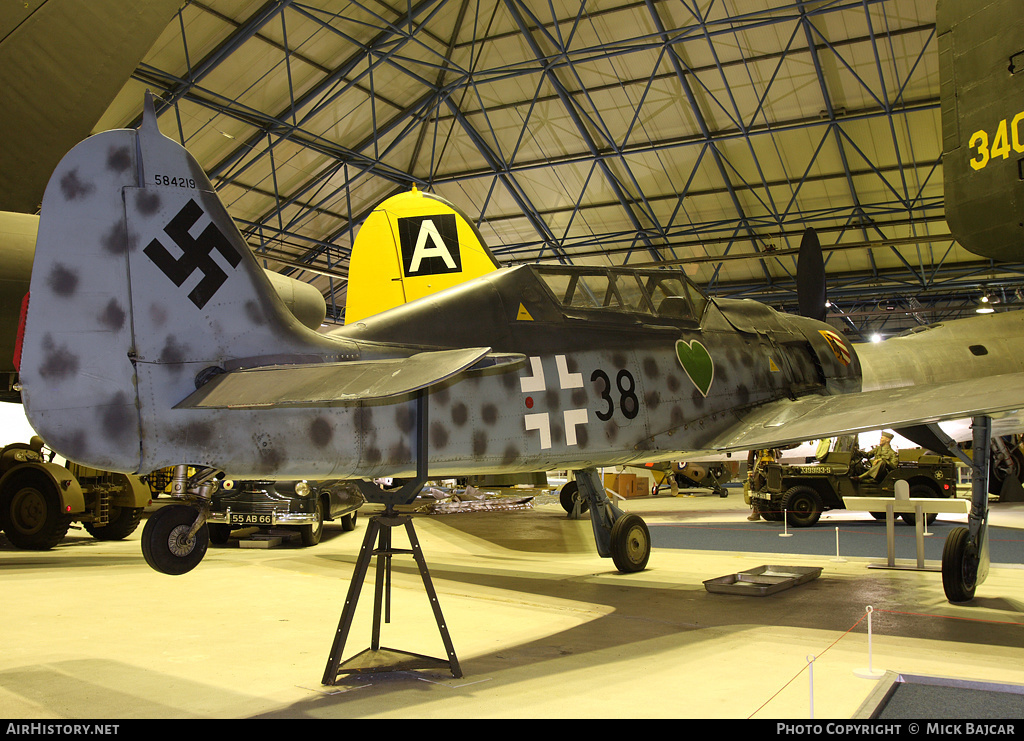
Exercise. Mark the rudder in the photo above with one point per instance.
(141, 283)
(412, 245)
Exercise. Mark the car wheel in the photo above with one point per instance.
(348, 522)
(122, 522)
(311, 534)
(920, 491)
(768, 509)
(220, 533)
(31, 512)
(802, 506)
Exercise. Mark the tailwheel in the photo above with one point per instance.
(959, 566)
(166, 544)
(630, 544)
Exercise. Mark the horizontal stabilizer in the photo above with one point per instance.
(815, 417)
(338, 383)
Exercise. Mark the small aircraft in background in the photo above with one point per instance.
(152, 338)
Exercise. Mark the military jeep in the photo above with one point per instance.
(803, 492)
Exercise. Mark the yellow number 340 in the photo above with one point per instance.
(1006, 138)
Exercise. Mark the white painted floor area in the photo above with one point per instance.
(542, 626)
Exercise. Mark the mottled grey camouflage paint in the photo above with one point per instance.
(145, 291)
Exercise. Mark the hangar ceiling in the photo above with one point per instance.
(701, 133)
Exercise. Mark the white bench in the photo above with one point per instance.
(903, 502)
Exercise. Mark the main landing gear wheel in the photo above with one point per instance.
(630, 544)
(959, 566)
(569, 494)
(165, 542)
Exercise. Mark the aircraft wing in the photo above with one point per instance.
(345, 382)
(814, 417)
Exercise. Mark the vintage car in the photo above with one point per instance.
(803, 492)
(299, 505)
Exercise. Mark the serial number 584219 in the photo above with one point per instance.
(174, 181)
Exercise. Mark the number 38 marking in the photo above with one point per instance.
(629, 404)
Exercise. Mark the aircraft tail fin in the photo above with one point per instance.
(412, 245)
(810, 277)
(142, 283)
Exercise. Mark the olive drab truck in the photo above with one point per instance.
(39, 499)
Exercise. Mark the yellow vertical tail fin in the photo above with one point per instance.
(412, 245)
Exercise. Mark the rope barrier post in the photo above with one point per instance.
(869, 673)
(838, 558)
(810, 674)
(785, 525)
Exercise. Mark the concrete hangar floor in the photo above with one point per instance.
(543, 627)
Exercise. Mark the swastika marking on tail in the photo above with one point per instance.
(195, 254)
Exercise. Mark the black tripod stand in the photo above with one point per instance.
(377, 542)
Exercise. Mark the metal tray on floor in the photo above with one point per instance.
(763, 580)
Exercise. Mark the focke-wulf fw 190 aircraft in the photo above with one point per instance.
(152, 338)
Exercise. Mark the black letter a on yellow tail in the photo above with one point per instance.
(195, 254)
(430, 244)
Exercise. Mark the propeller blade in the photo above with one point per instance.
(810, 277)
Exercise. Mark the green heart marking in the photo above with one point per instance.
(697, 362)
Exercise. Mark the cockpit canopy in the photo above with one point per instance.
(662, 293)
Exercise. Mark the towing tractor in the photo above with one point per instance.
(802, 492)
(39, 499)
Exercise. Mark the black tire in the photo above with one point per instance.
(959, 567)
(30, 510)
(768, 510)
(122, 522)
(568, 494)
(348, 522)
(802, 506)
(920, 491)
(163, 540)
(630, 544)
(220, 532)
(311, 534)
